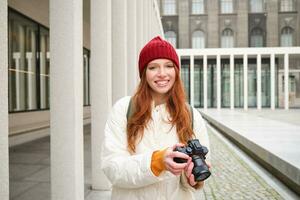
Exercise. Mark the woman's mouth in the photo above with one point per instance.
(162, 83)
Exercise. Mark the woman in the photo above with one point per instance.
(137, 155)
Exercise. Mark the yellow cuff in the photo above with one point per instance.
(157, 162)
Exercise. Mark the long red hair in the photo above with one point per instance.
(176, 106)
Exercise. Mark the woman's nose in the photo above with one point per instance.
(162, 71)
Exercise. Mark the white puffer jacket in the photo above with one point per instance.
(131, 175)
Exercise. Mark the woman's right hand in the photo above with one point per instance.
(170, 164)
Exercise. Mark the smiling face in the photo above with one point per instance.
(160, 76)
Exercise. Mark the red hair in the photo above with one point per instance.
(176, 106)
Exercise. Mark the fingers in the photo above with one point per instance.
(191, 179)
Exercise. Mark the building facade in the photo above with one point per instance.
(200, 24)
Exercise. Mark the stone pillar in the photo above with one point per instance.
(66, 113)
(132, 71)
(192, 82)
(272, 81)
(231, 81)
(242, 21)
(245, 70)
(213, 23)
(272, 23)
(42, 74)
(218, 81)
(119, 49)
(101, 88)
(183, 24)
(4, 173)
(258, 81)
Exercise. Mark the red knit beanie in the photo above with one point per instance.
(154, 49)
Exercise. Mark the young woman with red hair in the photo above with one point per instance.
(138, 152)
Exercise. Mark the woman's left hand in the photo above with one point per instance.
(190, 177)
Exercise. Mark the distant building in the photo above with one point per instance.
(237, 23)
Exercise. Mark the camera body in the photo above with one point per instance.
(197, 152)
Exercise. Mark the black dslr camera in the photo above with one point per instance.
(197, 152)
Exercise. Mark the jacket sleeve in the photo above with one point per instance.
(123, 169)
(200, 131)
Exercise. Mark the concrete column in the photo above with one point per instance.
(218, 81)
(205, 81)
(16, 57)
(231, 81)
(66, 113)
(101, 86)
(20, 75)
(286, 81)
(119, 49)
(139, 25)
(132, 71)
(213, 23)
(245, 62)
(242, 21)
(86, 78)
(272, 23)
(4, 172)
(192, 80)
(31, 76)
(258, 81)
(273, 81)
(42, 74)
(183, 24)
(146, 20)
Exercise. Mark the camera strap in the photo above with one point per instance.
(131, 110)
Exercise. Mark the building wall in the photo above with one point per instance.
(241, 21)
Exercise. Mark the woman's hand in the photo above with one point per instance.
(170, 164)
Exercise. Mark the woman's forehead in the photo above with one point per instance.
(160, 61)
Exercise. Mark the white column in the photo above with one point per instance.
(218, 81)
(139, 25)
(273, 81)
(4, 174)
(245, 62)
(192, 80)
(86, 78)
(31, 76)
(132, 71)
(258, 81)
(119, 49)
(101, 88)
(20, 75)
(286, 81)
(231, 81)
(66, 110)
(146, 20)
(16, 57)
(43, 72)
(205, 81)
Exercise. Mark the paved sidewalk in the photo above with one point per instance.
(231, 179)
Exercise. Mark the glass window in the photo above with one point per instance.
(286, 5)
(227, 40)
(22, 63)
(198, 7)
(256, 6)
(286, 38)
(185, 76)
(226, 6)
(256, 38)
(198, 40)
(171, 37)
(169, 7)
(29, 65)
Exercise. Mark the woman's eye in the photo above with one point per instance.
(151, 67)
(170, 66)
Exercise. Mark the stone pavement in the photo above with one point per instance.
(232, 178)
